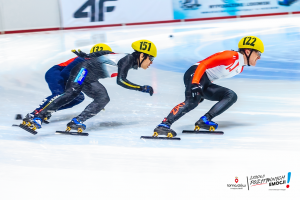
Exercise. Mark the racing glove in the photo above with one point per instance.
(196, 90)
(147, 89)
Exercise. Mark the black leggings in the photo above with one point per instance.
(94, 90)
(212, 92)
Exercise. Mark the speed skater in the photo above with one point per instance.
(198, 81)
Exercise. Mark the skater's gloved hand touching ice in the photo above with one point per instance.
(147, 89)
(196, 90)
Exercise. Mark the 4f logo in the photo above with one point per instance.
(92, 4)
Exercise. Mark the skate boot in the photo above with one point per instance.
(45, 120)
(164, 129)
(31, 123)
(45, 117)
(28, 119)
(205, 124)
(75, 125)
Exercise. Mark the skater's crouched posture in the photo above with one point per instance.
(84, 77)
(57, 77)
(198, 84)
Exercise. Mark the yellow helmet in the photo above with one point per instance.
(145, 46)
(251, 42)
(100, 47)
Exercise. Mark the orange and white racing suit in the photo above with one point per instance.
(224, 64)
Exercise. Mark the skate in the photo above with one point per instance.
(31, 123)
(204, 124)
(46, 118)
(162, 129)
(74, 125)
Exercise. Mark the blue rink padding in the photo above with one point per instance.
(280, 61)
(269, 70)
(286, 2)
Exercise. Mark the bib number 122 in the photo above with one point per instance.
(247, 42)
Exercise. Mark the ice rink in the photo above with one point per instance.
(261, 129)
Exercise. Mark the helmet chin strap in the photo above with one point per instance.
(140, 63)
(248, 57)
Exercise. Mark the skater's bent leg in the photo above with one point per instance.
(55, 81)
(180, 110)
(76, 101)
(43, 104)
(73, 89)
(98, 92)
(225, 96)
(190, 103)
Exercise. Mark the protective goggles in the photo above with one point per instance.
(151, 58)
(258, 53)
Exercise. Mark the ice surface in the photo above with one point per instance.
(261, 129)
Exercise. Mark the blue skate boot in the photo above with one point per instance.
(204, 123)
(75, 125)
(164, 129)
(31, 123)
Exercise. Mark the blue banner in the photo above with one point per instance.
(190, 9)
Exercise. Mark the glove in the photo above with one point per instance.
(80, 53)
(196, 90)
(147, 89)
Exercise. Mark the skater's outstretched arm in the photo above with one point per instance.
(124, 65)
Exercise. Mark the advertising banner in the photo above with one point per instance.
(189, 9)
(76, 13)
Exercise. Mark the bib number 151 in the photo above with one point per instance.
(145, 45)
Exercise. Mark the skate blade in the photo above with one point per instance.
(15, 125)
(71, 133)
(159, 138)
(204, 132)
(26, 128)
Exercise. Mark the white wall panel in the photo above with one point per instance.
(102, 12)
(1, 18)
(29, 14)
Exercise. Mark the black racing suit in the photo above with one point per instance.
(95, 69)
(212, 92)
